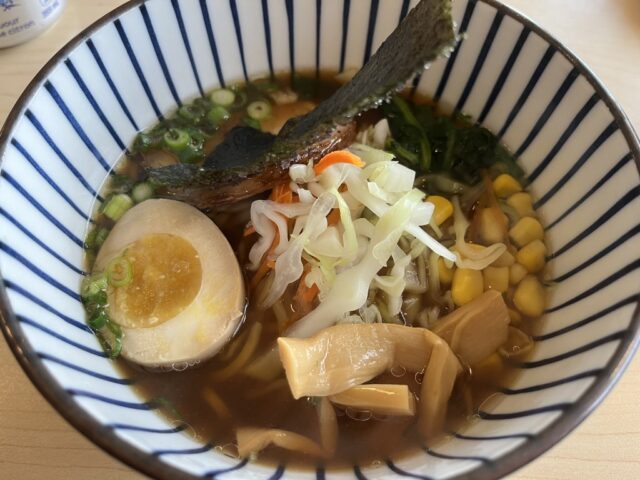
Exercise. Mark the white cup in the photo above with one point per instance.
(21, 20)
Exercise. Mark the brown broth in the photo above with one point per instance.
(185, 396)
(269, 404)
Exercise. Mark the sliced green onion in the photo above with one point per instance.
(93, 285)
(116, 206)
(119, 272)
(116, 348)
(176, 139)
(90, 240)
(267, 86)
(218, 115)
(190, 112)
(98, 320)
(101, 236)
(141, 192)
(241, 99)
(192, 154)
(96, 302)
(259, 110)
(250, 122)
(223, 96)
(144, 141)
(113, 347)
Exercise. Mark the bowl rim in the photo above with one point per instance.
(107, 440)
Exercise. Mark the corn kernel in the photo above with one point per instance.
(505, 185)
(492, 225)
(443, 208)
(516, 273)
(521, 202)
(504, 260)
(529, 297)
(525, 231)
(496, 278)
(466, 285)
(532, 256)
(514, 316)
(445, 273)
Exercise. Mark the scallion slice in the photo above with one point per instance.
(223, 97)
(250, 122)
(98, 320)
(176, 139)
(116, 206)
(93, 285)
(119, 272)
(116, 346)
(259, 110)
(217, 115)
(141, 192)
(101, 236)
(190, 112)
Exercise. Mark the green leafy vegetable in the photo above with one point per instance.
(455, 146)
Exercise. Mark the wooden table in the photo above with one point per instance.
(36, 443)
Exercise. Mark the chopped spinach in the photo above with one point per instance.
(432, 143)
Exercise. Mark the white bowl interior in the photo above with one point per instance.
(125, 75)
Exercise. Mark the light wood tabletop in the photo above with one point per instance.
(36, 443)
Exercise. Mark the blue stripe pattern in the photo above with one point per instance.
(540, 69)
(62, 338)
(15, 184)
(76, 125)
(136, 66)
(346, 7)
(86, 371)
(371, 29)
(112, 86)
(87, 93)
(68, 164)
(504, 75)
(236, 24)
(47, 178)
(482, 56)
(566, 116)
(187, 45)
(159, 55)
(212, 41)
(40, 243)
(38, 271)
(28, 295)
(468, 13)
(267, 35)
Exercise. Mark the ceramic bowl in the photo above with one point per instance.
(141, 61)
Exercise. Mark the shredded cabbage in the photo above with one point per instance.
(378, 206)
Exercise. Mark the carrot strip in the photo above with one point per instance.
(266, 264)
(338, 156)
(305, 295)
(282, 193)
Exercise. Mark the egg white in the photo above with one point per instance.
(203, 327)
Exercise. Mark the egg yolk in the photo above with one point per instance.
(167, 275)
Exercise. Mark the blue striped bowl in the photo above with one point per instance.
(141, 61)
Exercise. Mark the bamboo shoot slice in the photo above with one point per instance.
(328, 426)
(378, 398)
(476, 330)
(344, 356)
(253, 440)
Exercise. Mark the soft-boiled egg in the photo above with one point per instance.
(184, 296)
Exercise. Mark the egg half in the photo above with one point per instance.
(185, 298)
